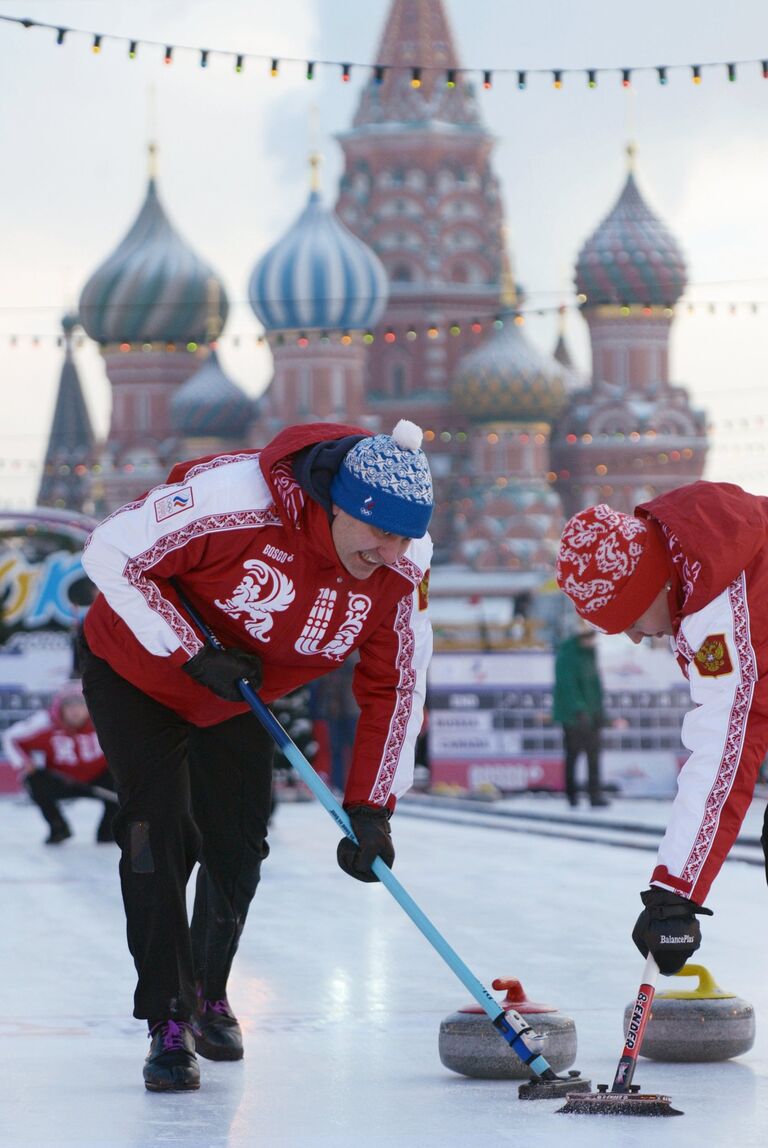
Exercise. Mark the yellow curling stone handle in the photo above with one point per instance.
(706, 989)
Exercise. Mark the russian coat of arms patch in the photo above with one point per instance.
(712, 658)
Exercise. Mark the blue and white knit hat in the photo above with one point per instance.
(384, 480)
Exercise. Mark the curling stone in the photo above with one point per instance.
(701, 1024)
(469, 1043)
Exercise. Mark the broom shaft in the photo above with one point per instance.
(636, 1027)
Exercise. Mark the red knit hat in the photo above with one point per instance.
(612, 566)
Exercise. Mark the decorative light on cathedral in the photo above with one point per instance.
(346, 339)
(557, 80)
(389, 336)
(415, 77)
(96, 46)
(662, 74)
(591, 78)
(275, 68)
(302, 340)
(696, 74)
(626, 78)
(310, 69)
(475, 326)
(411, 334)
(204, 53)
(239, 64)
(522, 81)
(378, 74)
(432, 331)
(61, 33)
(346, 73)
(133, 49)
(450, 78)
(368, 337)
(732, 73)
(168, 57)
(519, 320)
(487, 80)
(454, 329)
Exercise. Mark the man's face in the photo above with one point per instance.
(656, 622)
(362, 548)
(74, 713)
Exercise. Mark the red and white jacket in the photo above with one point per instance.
(254, 555)
(717, 536)
(44, 741)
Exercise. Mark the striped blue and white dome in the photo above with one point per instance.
(152, 288)
(319, 275)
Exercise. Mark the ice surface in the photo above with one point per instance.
(341, 997)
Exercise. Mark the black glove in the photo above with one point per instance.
(668, 928)
(220, 671)
(370, 824)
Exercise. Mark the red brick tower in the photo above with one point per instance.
(419, 189)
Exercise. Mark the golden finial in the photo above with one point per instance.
(213, 301)
(508, 288)
(315, 159)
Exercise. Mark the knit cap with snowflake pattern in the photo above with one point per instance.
(384, 480)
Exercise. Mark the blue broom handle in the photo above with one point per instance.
(510, 1023)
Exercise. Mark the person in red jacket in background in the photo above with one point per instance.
(59, 756)
(691, 565)
(295, 556)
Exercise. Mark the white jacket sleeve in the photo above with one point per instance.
(726, 736)
(164, 534)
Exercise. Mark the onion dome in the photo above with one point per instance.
(632, 257)
(210, 404)
(508, 379)
(319, 275)
(152, 288)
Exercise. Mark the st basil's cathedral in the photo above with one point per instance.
(399, 301)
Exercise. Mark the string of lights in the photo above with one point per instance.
(409, 332)
(416, 73)
(80, 462)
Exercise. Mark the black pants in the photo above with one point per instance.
(47, 788)
(186, 794)
(580, 739)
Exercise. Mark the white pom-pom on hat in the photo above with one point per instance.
(407, 435)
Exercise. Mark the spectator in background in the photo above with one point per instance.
(335, 704)
(578, 707)
(59, 756)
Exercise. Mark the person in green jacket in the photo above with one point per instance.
(578, 707)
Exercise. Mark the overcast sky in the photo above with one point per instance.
(74, 127)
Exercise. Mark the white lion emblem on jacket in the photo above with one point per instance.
(262, 593)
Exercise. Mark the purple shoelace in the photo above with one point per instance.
(172, 1033)
(220, 1006)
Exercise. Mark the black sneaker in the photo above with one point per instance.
(58, 833)
(217, 1033)
(171, 1065)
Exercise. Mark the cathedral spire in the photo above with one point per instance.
(70, 451)
(409, 85)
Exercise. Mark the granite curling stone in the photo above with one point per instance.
(702, 1024)
(470, 1045)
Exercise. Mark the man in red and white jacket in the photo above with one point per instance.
(691, 564)
(295, 556)
(58, 755)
